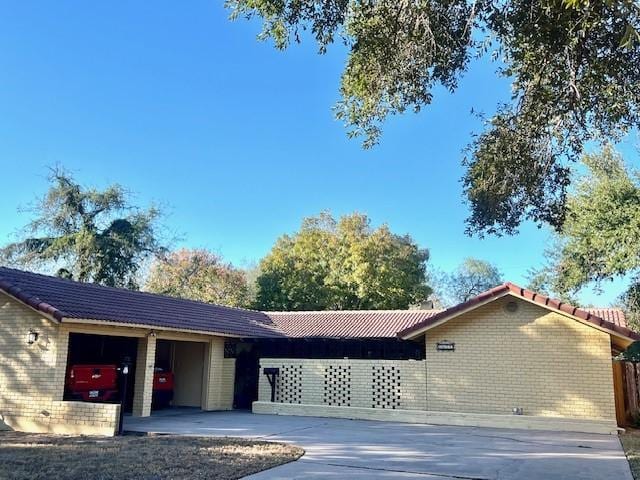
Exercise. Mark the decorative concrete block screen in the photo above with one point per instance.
(381, 384)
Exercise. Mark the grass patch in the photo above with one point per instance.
(37, 456)
(631, 444)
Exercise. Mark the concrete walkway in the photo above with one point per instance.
(359, 450)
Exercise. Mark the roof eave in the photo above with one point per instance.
(416, 331)
(146, 326)
(30, 302)
(550, 304)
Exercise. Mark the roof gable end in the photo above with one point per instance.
(582, 315)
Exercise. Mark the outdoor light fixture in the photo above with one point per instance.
(445, 346)
(32, 337)
(152, 333)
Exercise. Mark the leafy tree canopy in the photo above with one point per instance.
(599, 239)
(199, 275)
(87, 234)
(629, 301)
(342, 264)
(470, 279)
(573, 67)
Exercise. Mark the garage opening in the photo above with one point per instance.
(93, 368)
(185, 361)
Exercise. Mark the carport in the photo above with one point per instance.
(202, 377)
(48, 324)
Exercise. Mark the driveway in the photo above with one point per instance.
(359, 449)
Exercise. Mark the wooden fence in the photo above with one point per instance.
(626, 377)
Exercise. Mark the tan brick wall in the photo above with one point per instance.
(379, 384)
(228, 383)
(217, 377)
(544, 362)
(84, 418)
(32, 378)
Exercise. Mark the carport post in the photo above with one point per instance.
(145, 365)
(215, 359)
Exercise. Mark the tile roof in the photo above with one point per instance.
(66, 299)
(609, 319)
(613, 315)
(348, 324)
(69, 300)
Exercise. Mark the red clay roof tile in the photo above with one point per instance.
(348, 324)
(604, 318)
(66, 299)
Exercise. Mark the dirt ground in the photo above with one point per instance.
(36, 456)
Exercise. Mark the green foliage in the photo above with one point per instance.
(599, 239)
(631, 354)
(199, 275)
(342, 264)
(543, 280)
(89, 235)
(471, 278)
(629, 301)
(572, 65)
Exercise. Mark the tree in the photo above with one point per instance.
(629, 301)
(541, 280)
(572, 65)
(599, 240)
(470, 279)
(87, 234)
(342, 264)
(199, 275)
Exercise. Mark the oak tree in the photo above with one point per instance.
(572, 65)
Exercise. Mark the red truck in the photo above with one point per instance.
(99, 383)
(162, 388)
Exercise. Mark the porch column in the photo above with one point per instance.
(143, 385)
(213, 385)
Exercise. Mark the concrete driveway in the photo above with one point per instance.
(358, 449)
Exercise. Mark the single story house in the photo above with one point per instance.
(506, 358)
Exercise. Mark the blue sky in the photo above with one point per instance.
(235, 139)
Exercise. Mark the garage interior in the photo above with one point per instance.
(91, 349)
(186, 360)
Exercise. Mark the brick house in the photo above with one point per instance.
(508, 357)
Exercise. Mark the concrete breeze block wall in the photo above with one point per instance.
(32, 378)
(542, 361)
(377, 384)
